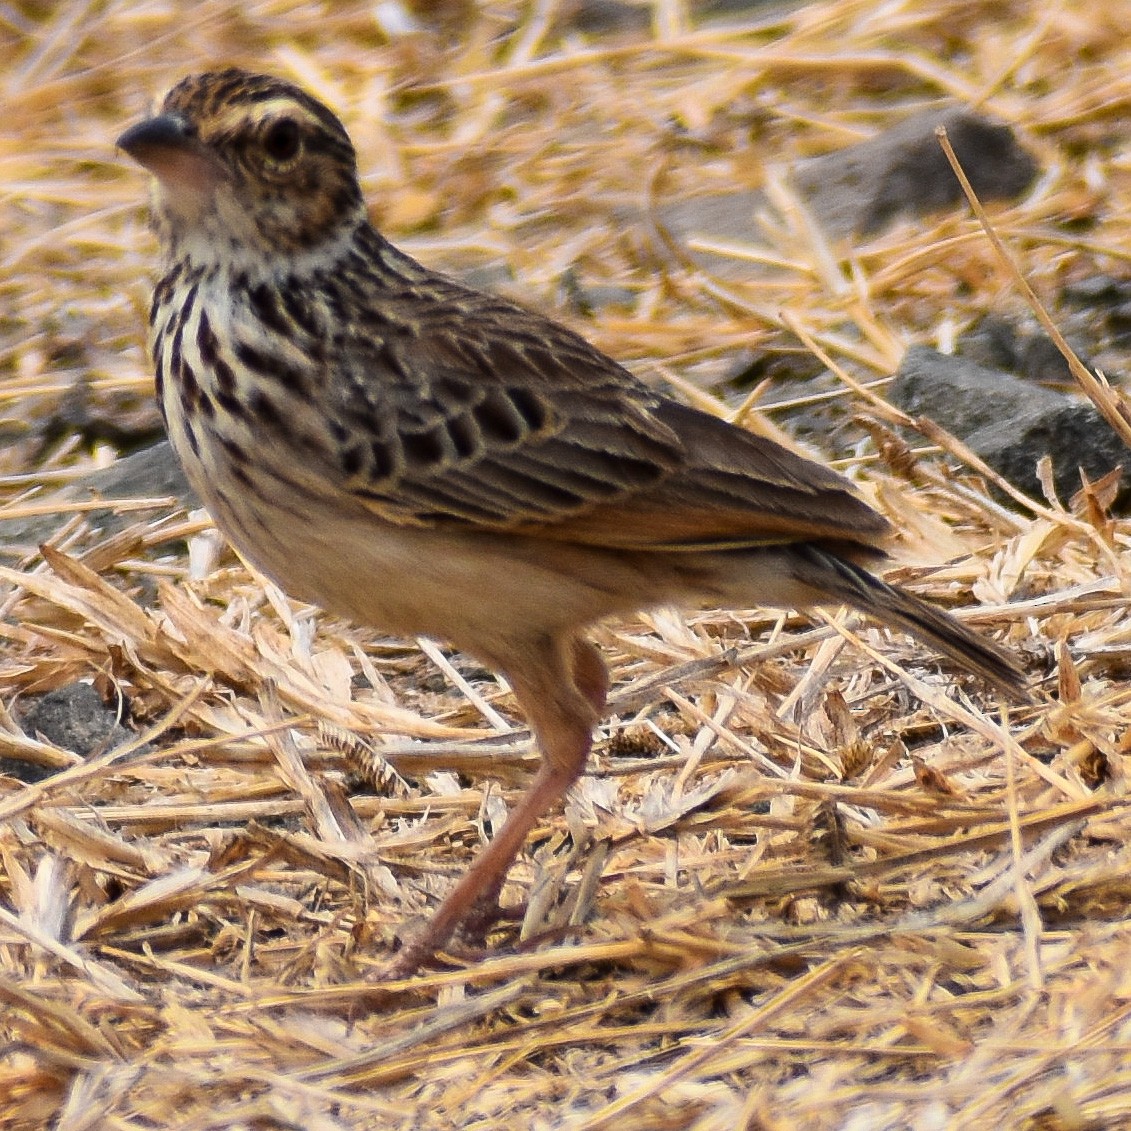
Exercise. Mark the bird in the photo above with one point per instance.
(433, 460)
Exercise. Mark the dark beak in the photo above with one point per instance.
(166, 147)
(166, 131)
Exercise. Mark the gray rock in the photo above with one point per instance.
(859, 189)
(903, 171)
(1028, 352)
(1008, 422)
(151, 472)
(718, 218)
(74, 718)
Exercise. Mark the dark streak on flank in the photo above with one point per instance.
(272, 366)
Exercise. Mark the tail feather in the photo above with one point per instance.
(855, 586)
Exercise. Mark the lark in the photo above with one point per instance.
(431, 460)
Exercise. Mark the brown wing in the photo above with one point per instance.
(490, 416)
(733, 489)
(499, 438)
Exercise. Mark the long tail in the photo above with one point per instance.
(854, 585)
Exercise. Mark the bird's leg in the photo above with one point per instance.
(590, 676)
(561, 689)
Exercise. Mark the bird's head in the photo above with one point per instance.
(246, 166)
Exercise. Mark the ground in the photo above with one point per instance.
(811, 879)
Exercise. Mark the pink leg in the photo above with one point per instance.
(561, 690)
(590, 676)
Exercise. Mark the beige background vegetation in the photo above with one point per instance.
(816, 883)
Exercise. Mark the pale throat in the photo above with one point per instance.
(212, 233)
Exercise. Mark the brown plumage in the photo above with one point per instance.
(432, 460)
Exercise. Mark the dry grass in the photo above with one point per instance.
(819, 884)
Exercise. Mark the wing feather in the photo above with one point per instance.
(541, 434)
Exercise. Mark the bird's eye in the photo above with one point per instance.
(282, 140)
